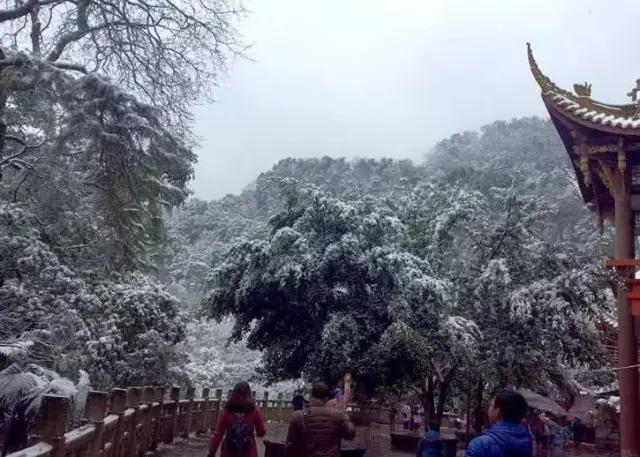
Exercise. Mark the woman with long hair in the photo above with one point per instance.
(238, 421)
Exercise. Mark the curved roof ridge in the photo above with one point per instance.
(545, 83)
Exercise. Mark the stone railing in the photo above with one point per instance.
(128, 423)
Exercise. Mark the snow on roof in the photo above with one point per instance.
(591, 115)
(581, 104)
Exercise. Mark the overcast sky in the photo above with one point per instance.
(389, 78)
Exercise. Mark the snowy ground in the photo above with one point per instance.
(376, 437)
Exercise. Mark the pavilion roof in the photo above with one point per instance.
(580, 108)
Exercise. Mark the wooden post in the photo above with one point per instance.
(265, 406)
(628, 378)
(206, 411)
(148, 393)
(134, 397)
(54, 416)
(174, 398)
(279, 407)
(94, 412)
(157, 431)
(218, 408)
(188, 416)
(117, 405)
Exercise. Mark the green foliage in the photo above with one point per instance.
(481, 264)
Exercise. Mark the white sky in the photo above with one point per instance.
(389, 78)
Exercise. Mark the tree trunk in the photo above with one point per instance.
(3, 118)
(479, 411)
(468, 421)
(443, 392)
(427, 399)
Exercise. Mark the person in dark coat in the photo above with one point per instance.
(298, 401)
(317, 431)
(579, 432)
(507, 437)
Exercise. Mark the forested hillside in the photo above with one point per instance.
(482, 252)
(506, 252)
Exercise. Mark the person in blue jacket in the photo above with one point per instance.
(507, 437)
(430, 444)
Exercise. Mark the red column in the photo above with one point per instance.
(628, 378)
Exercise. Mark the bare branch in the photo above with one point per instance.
(22, 10)
(16, 157)
(18, 60)
(36, 27)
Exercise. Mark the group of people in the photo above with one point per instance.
(319, 426)
(316, 429)
(412, 417)
(550, 435)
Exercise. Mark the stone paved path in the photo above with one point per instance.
(375, 439)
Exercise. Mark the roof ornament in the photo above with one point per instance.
(583, 90)
(634, 92)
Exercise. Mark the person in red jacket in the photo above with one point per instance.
(238, 421)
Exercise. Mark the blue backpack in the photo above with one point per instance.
(239, 437)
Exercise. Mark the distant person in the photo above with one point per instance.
(579, 432)
(298, 401)
(506, 437)
(393, 412)
(416, 419)
(238, 421)
(406, 416)
(589, 423)
(317, 431)
(430, 444)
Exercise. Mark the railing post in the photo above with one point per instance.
(134, 396)
(94, 412)
(54, 417)
(265, 406)
(188, 414)
(174, 398)
(117, 406)
(280, 401)
(158, 424)
(206, 411)
(214, 422)
(147, 400)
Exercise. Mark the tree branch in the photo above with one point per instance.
(16, 61)
(22, 10)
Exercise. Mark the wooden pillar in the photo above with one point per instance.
(188, 413)
(94, 412)
(265, 406)
(157, 431)
(54, 416)
(134, 397)
(279, 407)
(205, 415)
(117, 405)
(148, 392)
(628, 378)
(218, 409)
(174, 398)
